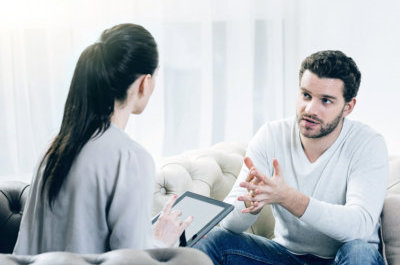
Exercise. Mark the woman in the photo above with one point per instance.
(93, 188)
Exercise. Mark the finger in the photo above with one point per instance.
(167, 207)
(249, 164)
(251, 187)
(247, 161)
(249, 209)
(244, 184)
(245, 198)
(265, 198)
(251, 193)
(250, 177)
(259, 176)
(175, 214)
(277, 168)
(253, 209)
(186, 223)
(255, 180)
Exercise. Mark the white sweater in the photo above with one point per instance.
(346, 185)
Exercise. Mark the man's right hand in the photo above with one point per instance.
(251, 178)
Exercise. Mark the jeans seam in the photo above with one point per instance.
(246, 255)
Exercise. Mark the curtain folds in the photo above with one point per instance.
(222, 74)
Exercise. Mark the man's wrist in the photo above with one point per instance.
(295, 202)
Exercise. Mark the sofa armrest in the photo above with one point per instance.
(13, 195)
(391, 229)
(210, 172)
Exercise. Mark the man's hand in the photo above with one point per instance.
(263, 190)
(270, 190)
(250, 205)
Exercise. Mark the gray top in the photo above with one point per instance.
(346, 185)
(104, 204)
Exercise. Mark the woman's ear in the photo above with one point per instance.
(145, 84)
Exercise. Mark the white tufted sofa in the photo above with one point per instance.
(212, 172)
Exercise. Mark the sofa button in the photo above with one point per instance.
(163, 191)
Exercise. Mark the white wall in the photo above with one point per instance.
(233, 63)
(369, 32)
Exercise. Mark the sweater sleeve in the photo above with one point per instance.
(236, 221)
(129, 210)
(366, 188)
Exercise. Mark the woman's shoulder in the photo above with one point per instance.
(113, 143)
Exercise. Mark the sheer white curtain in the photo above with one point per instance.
(225, 68)
(368, 32)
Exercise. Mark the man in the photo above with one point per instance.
(324, 175)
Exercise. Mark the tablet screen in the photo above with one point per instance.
(206, 212)
(202, 212)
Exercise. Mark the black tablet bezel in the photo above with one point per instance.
(227, 209)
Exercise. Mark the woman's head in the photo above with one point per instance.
(106, 69)
(102, 78)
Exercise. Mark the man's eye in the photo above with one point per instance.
(326, 101)
(306, 95)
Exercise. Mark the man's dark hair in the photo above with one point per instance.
(334, 64)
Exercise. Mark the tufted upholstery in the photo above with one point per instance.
(391, 214)
(13, 195)
(210, 172)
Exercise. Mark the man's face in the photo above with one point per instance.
(320, 105)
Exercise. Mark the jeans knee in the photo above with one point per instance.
(358, 252)
(215, 243)
(357, 247)
(216, 236)
(212, 240)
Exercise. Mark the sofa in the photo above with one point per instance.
(211, 172)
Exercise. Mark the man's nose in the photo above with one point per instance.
(311, 107)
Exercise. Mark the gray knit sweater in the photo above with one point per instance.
(104, 204)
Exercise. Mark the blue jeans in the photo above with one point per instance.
(225, 247)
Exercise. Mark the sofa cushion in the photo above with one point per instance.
(391, 229)
(394, 175)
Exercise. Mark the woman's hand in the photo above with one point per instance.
(169, 227)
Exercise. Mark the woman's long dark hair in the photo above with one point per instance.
(103, 74)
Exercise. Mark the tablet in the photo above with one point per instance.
(207, 213)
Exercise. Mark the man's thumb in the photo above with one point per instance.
(247, 161)
(277, 168)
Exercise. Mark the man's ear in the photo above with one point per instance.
(145, 83)
(349, 106)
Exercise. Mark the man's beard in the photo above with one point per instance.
(325, 128)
